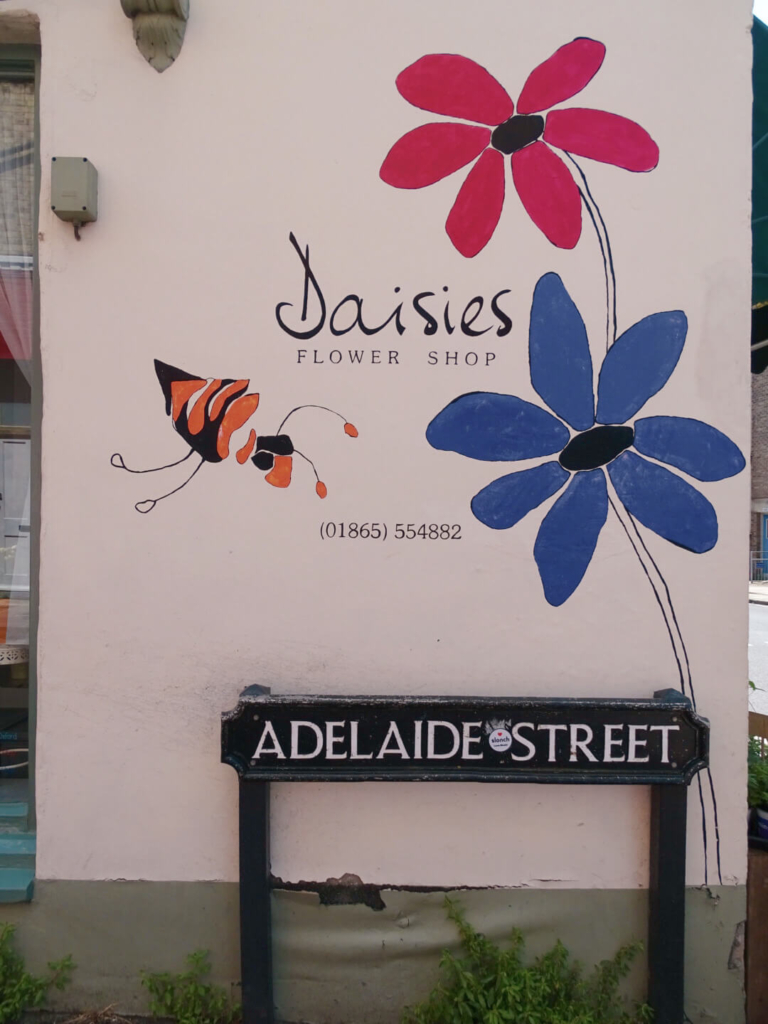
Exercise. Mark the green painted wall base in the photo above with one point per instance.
(349, 964)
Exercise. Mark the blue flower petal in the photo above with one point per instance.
(505, 501)
(639, 364)
(664, 502)
(698, 449)
(561, 366)
(568, 535)
(496, 428)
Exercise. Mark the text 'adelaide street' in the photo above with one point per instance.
(298, 740)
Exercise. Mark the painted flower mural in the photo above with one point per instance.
(455, 86)
(595, 451)
(605, 442)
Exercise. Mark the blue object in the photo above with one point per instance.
(16, 885)
(699, 450)
(561, 365)
(17, 853)
(568, 535)
(496, 428)
(639, 364)
(664, 503)
(505, 501)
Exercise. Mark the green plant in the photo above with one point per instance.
(757, 774)
(20, 990)
(490, 985)
(186, 997)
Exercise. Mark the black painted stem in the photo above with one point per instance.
(611, 323)
(648, 562)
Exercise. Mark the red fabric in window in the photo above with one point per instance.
(16, 313)
(5, 352)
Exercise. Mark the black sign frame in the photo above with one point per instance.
(385, 722)
(668, 743)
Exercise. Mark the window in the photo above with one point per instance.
(18, 232)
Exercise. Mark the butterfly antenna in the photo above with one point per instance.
(149, 503)
(118, 462)
(320, 489)
(349, 428)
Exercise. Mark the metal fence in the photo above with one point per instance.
(758, 567)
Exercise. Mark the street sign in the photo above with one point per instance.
(658, 741)
(477, 739)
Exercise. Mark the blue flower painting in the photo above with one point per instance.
(595, 443)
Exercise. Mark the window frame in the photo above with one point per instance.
(21, 62)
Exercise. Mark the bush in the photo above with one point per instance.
(492, 986)
(757, 775)
(187, 998)
(19, 990)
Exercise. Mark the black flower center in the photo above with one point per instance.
(519, 131)
(595, 447)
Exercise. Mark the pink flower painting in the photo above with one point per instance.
(529, 133)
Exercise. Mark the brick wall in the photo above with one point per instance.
(760, 435)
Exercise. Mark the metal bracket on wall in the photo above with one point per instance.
(158, 28)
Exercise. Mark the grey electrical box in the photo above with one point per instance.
(74, 189)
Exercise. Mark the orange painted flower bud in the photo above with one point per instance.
(350, 429)
(321, 489)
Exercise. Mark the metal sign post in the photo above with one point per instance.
(659, 742)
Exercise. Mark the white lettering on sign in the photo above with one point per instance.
(665, 730)
(581, 744)
(331, 740)
(524, 740)
(610, 743)
(393, 733)
(467, 739)
(295, 726)
(417, 726)
(354, 754)
(268, 734)
(635, 744)
(553, 730)
(432, 727)
(340, 740)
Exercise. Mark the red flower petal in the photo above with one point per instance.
(475, 214)
(564, 74)
(599, 135)
(431, 152)
(549, 193)
(446, 83)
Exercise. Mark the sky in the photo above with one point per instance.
(761, 10)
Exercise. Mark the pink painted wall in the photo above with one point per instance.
(276, 118)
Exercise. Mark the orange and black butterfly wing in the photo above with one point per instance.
(199, 407)
(167, 375)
